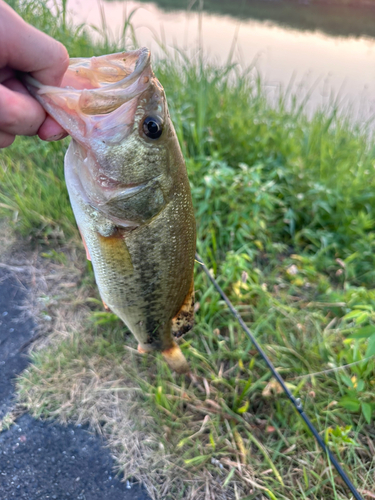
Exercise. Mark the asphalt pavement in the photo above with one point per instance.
(41, 459)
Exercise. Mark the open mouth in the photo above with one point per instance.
(99, 96)
(98, 85)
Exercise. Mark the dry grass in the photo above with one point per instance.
(177, 435)
(80, 377)
(96, 388)
(84, 373)
(103, 395)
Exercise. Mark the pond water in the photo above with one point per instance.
(331, 50)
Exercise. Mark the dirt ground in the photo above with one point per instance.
(43, 460)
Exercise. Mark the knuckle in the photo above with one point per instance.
(64, 57)
(9, 119)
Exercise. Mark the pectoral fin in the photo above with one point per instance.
(184, 319)
(115, 253)
(105, 306)
(84, 244)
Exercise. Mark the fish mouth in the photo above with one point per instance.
(113, 71)
(93, 87)
(112, 76)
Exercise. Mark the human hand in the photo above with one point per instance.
(24, 48)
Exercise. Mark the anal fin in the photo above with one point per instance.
(175, 359)
(184, 319)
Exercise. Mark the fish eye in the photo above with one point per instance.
(152, 127)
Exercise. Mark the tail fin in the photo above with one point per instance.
(175, 359)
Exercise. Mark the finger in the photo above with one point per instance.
(6, 74)
(13, 84)
(20, 114)
(25, 48)
(6, 139)
(51, 130)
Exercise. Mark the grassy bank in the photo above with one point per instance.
(285, 210)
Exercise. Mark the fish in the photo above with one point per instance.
(129, 190)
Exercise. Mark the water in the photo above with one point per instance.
(331, 50)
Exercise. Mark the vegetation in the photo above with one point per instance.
(285, 210)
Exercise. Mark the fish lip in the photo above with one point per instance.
(94, 94)
(141, 64)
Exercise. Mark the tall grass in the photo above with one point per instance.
(285, 210)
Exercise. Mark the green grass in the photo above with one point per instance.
(285, 209)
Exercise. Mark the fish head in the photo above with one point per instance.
(115, 110)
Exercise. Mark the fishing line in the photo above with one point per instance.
(295, 401)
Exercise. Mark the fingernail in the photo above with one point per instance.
(57, 137)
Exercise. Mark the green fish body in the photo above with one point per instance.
(130, 194)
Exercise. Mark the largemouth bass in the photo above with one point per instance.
(130, 194)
